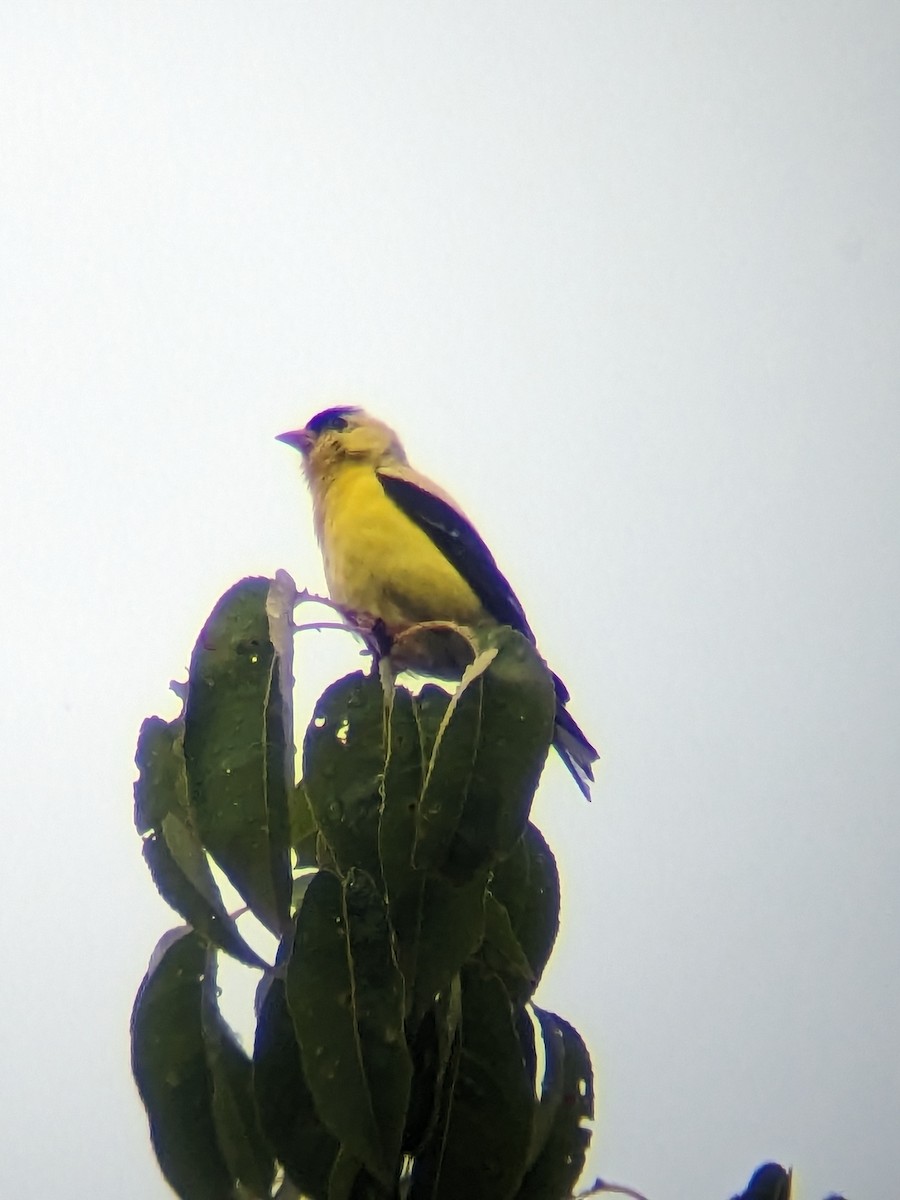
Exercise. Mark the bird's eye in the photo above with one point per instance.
(332, 419)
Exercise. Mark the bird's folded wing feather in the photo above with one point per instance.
(456, 538)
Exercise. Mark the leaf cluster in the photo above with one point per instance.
(397, 1051)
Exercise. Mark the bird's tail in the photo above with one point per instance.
(571, 744)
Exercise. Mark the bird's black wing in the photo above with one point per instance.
(461, 546)
(457, 540)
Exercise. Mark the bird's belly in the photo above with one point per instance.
(378, 561)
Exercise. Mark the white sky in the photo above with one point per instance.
(626, 277)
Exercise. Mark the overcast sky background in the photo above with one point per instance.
(626, 277)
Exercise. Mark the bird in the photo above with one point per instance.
(399, 553)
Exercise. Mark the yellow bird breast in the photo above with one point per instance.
(380, 562)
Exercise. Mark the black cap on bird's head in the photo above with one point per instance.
(332, 418)
(329, 419)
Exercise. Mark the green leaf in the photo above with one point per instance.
(526, 883)
(518, 715)
(172, 850)
(235, 1116)
(502, 952)
(237, 748)
(451, 930)
(161, 786)
(169, 1061)
(342, 1185)
(429, 707)
(324, 857)
(346, 998)
(351, 1181)
(426, 1169)
(287, 1113)
(343, 763)
(449, 768)
(432, 1048)
(560, 1162)
(552, 1087)
(301, 883)
(180, 870)
(486, 758)
(303, 827)
(404, 885)
(481, 1152)
(437, 924)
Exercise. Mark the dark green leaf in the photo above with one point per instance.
(173, 852)
(482, 1151)
(403, 884)
(303, 827)
(429, 707)
(345, 994)
(344, 1177)
(502, 952)
(561, 1161)
(234, 1110)
(518, 714)
(427, 1164)
(351, 1181)
(446, 777)
(298, 1138)
(431, 1047)
(237, 750)
(527, 884)
(301, 883)
(551, 1088)
(324, 857)
(451, 930)
(486, 758)
(161, 786)
(436, 924)
(180, 870)
(168, 1057)
(343, 764)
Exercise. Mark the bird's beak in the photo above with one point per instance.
(300, 439)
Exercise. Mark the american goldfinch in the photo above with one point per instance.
(398, 550)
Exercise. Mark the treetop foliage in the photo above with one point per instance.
(397, 1049)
